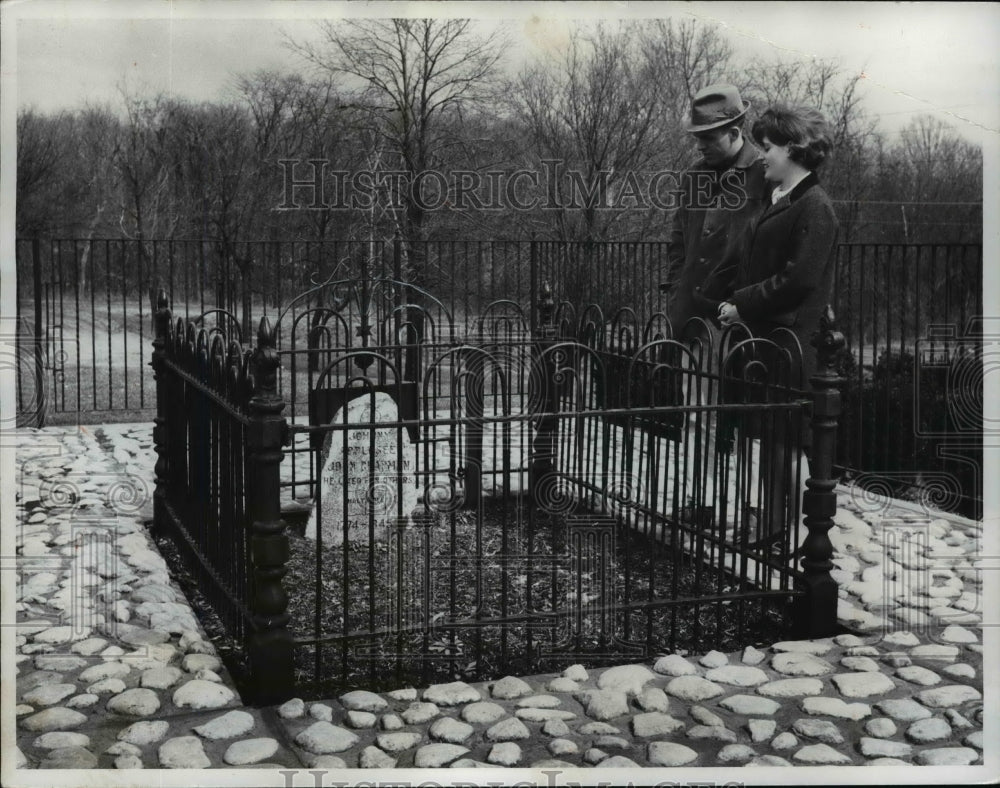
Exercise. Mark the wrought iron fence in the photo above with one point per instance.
(909, 313)
(470, 502)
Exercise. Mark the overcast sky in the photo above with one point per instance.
(919, 57)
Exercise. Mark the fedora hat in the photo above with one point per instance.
(715, 106)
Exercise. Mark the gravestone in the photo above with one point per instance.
(374, 473)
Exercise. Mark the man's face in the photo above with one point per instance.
(717, 146)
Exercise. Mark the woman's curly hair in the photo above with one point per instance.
(803, 129)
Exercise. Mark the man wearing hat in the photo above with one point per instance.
(720, 197)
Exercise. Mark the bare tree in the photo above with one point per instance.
(413, 75)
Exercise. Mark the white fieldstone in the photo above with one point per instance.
(391, 722)
(361, 720)
(562, 684)
(504, 754)
(693, 688)
(123, 748)
(904, 639)
(934, 651)
(105, 670)
(450, 730)
(183, 752)
(510, 729)
(542, 715)
(594, 756)
(596, 728)
(83, 701)
(737, 675)
(863, 684)
(903, 709)
(974, 740)
(750, 704)
(821, 730)
(69, 758)
(950, 695)
(48, 694)
(129, 762)
(706, 717)
(674, 665)
(320, 711)
(735, 753)
(208, 675)
(247, 751)
(576, 672)
(665, 753)
(629, 679)
(931, 729)
(192, 663)
(56, 739)
(714, 659)
(135, 703)
(655, 723)
(198, 694)
(804, 646)
(881, 728)
(600, 704)
(88, 647)
(563, 747)
(883, 748)
(397, 742)
(796, 663)
(144, 732)
(960, 670)
(916, 674)
(482, 712)
(432, 756)
(653, 699)
(791, 688)
(835, 707)
(617, 762)
(374, 758)
(957, 720)
(820, 753)
(860, 664)
(753, 656)
(63, 662)
(784, 741)
(510, 687)
(405, 694)
(453, 693)
(538, 702)
(420, 712)
(555, 728)
(322, 738)
(362, 700)
(292, 709)
(711, 732)
(107, 687)
(228, 726)
(161, 677)
(761, 730)
(947, 756)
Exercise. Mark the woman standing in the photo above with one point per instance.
(786, 279)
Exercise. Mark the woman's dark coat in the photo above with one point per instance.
(786, 279)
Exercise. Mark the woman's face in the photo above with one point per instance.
(777, 164)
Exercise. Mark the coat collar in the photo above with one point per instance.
(786, 201)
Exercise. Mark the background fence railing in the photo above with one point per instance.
(913, 401)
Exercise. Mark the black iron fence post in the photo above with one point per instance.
(543, 395)
(270, 646)
(36, 276)
(161, 425)
(815, 613)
